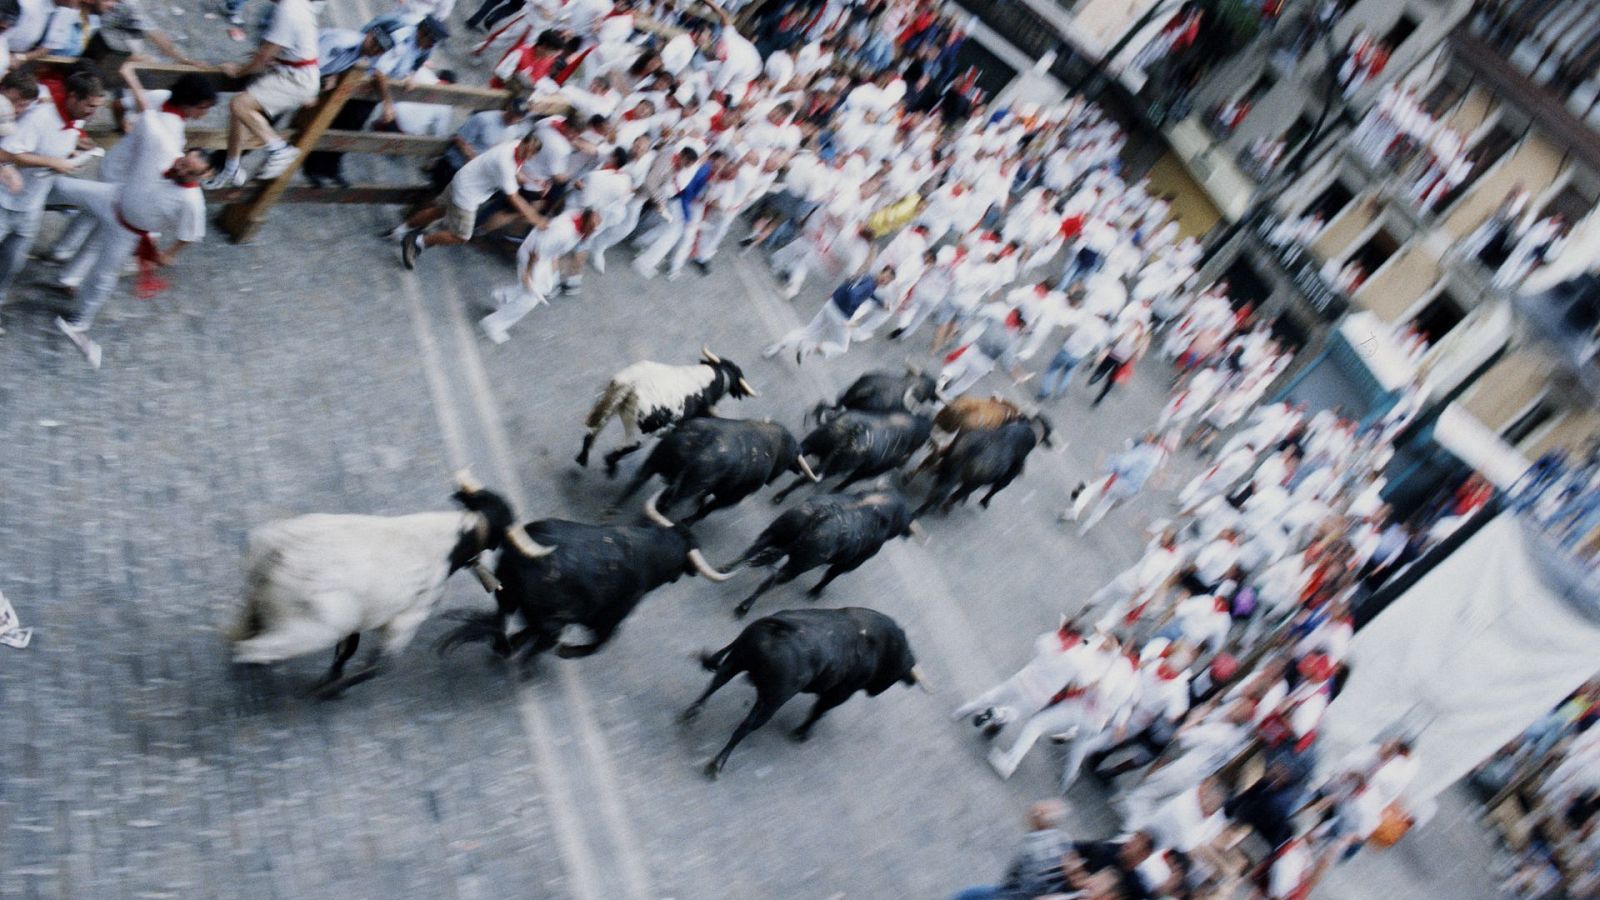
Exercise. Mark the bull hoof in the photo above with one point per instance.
(813, 594)
(741, 611)
(801, 735)
(712, 770)
(689, 715)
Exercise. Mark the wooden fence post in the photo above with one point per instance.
(241, 219)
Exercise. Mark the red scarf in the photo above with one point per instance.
(57, 86)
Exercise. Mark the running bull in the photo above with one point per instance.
(718, 462)
(977, 459)
(882, 392)
(574, 584)
(832, 653)
(650, 396)
(858, 445)
(841, 531)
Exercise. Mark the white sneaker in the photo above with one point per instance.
(598, 260)
(278, 162)
(494, 333)
(224, 179)
(643, 270)
(77, 334)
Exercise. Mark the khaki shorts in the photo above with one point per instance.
(460, 221)
(285, 89)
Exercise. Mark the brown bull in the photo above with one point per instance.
(965, 413)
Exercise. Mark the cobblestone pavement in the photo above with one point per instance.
(308, 372)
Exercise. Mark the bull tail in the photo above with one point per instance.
(713, 661)
(607, 406)
(475, 627)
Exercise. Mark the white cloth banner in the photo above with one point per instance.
(1466, 660)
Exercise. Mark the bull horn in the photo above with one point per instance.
(698, 560)
(916, 675)
(918, 533)
(748, 389)
(653, 514)
(806, 467)
(708, 356)
(466, 482)
(527, 546)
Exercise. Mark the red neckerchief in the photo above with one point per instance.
(1068, 639)
(1166, 672)
(57, 86)
(1219, 604)
(167, 107)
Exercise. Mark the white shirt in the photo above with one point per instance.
(607, 192)
(677, 53)
(1203, 619)
(148, 200)
(293, 28)
(490, 172)
(1087, 338)
(41, 131)
(32, 16)
(1181, 824)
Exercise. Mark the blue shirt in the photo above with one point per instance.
(1136, 464)
(696, 186)
(851, 295)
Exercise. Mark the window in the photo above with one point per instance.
(1491, 149)
(1297, 132)
(1375, 252)
(1245, 284)
(1526, 424)
(1402, 29)
(1332, 201)
(1442, 314)
(1444, 95)
(1260, 88)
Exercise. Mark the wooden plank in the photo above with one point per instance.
(337, 140)
(377, 194)
(240, 220)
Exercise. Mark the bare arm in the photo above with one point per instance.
(140, 101)
(37, 161)
(527, 211)
(167, 48)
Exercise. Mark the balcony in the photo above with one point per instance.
(1542, 104)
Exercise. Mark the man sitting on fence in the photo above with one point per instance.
(284, 78)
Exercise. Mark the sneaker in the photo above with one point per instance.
(674, 274)
(224, 179)
(77, 334)
(791, 291)
(495, 334)
(704, 265)
(571, 288)
(597, 259)
(644, 271)
(278, 162)
(395, 233)
(410, 249)
(896, 333)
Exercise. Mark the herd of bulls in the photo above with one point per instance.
(571, 584)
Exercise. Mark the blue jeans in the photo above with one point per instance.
(1084, 263)
(1057, 375)
(981, 892)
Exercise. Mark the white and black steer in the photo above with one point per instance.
(318, 581)
(649, 396)
(718, 462)
(832, 653)
(574, 583)
(841, 531)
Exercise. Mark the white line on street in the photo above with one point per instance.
(591, 738)
(577, 859)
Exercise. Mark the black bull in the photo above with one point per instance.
(718, 462)
(991, 459)
(832, 653)
(882, 392)
(560, 574)
(841, 531)
(858, 445)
